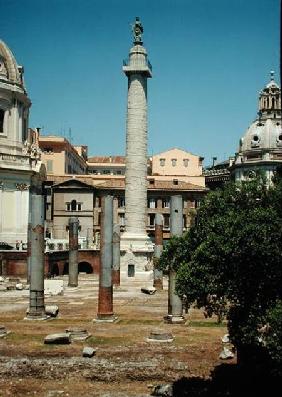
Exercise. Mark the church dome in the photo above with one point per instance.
(9, 69)
(265, 133)
(262, 135)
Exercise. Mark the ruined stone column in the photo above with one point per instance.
(175, 307)
(73, 252)
(158, 274)
(36, 260)
(105, 299)
(116, 254)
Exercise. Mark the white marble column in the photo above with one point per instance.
(136, 247)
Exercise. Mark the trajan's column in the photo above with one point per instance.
(136, 247)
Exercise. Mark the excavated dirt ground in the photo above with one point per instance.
(125, 364)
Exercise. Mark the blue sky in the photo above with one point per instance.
(210, 58)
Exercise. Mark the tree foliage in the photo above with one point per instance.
(233, 254)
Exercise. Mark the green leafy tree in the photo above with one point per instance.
(233, 255)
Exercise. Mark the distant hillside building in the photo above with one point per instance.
(61, 157)
(218, 174)
(180, 164)
(106, 165)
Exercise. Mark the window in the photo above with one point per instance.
(166, 202)
(107, 172)
(49, 165)
(166, 221)
(162, 162)
(121, 202)
(2, 114)
(185, 162)
(48, 150)
(151, 219)
(24, 132)
(152, 203)
(73, 206)
(121, 220)
(131, 271)
(173, 162)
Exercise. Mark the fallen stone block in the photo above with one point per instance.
(160, 336)
(165, 390)
(226, 354)
(57, 339)
(88, 352)
(2, 279)
(3, 287)
(148, 290)
(53, 287)
(78, 333)
(19, 286)
(52, 310)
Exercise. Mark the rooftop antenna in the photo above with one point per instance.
(70, 136)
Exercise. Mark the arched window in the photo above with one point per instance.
(73, 205)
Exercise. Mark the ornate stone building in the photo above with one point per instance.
(260, 148)
(20, 165)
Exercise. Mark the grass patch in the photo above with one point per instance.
(110, 341)
(139, 322)
(210, 324)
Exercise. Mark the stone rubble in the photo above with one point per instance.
(149, 291)
(226, 354)
(77, 334)
(3, 331)
(52, 310)
(60, 339)
(160, 336)
(164, 390)
(88, 352)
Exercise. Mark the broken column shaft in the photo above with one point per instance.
(36, 258)
(116, 254)
(105, 299)
(73, 252)
(175, 308)
(158, 274)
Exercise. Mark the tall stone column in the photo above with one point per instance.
(73, 251)
(36, 309)
(136, 247)
(105, 299)
(158, 249)
(175, 307)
